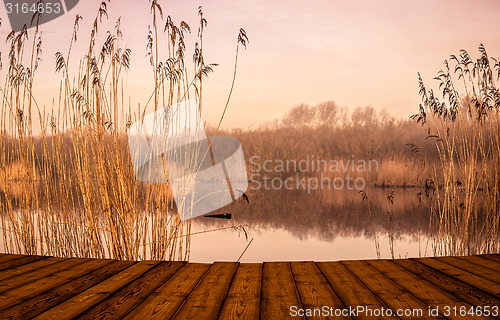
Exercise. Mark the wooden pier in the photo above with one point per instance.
(55, 288)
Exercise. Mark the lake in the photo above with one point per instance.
(323, 225)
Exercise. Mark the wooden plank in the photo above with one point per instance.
(349, 289)
(243, 299)
(71, 308)
(205, 301)
(279, 294)
(469, 266)
(315, 292)
(461, 290)
(483, 261)
(31, 289)
(42, 302)
(9, 257)
(55, 288)
(472, 279)
(18, 262)
(25, 268)
(420, 288)
(165, 300)
(494, 257)
(33, 275)
(127, 298)
(393, 295)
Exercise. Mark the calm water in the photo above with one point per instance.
(321, 225)
(326, 225)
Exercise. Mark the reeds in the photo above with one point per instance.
(364, 197)
(465, 207)
(78, 195)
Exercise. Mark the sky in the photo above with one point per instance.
(356, 53)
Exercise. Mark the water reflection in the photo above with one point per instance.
(321, 225)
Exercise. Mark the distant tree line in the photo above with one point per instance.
(328, 113)
(331, 131)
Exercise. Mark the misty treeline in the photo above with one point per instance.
(332, 132)
(328, 113)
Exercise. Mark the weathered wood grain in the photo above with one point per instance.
(315, 292)
(278, 291)
(56, 288)
(420, 288)
(243, 299)
(349, 288)
(464, 276)
(165, 300)
(127, 298)
(42, 302)
(459, 289)
(392, 294)
(493, 264)
(20, 261)
(472, 267)
(205, 301)
(75, 306)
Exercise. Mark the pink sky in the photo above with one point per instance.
(356, 53)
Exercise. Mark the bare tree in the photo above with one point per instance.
(327, 113)
(300, 115)
(364, 116)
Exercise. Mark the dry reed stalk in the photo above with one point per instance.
(81, 197)
(465, 209)
(375, 236)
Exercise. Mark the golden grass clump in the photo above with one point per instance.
(465, 204)
(71, 191)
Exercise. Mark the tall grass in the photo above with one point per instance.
(465, 209)
(74, 192)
